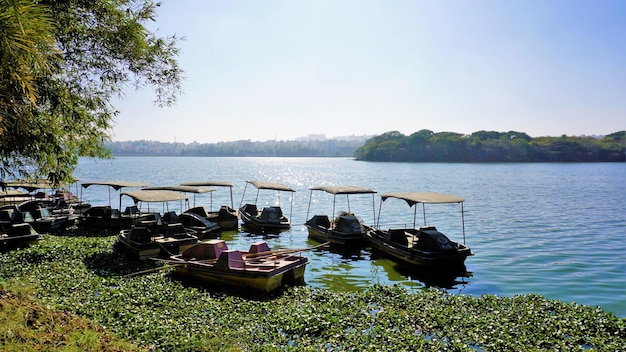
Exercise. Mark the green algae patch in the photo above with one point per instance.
(83, 276)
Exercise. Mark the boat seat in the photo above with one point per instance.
(398, 237)
(103, 212)
(170, 217)
(140, 234)
(271, 214)
(173, 230)
(200, 210)
(7, 215)
(259, 247)
(231, 259)
(348, 223)
(206, 250)
(250, 209)
(131, 210)
(321, 221)
(42, 213)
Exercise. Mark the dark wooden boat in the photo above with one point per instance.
(15, 228)
(154, 235)
(106, 216)
(421, 246)
(345, 229)
(226, 216)
(200, 225)
(258, 269)
(266, 219)
(44, 220)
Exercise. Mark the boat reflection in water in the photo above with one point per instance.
(358, 270)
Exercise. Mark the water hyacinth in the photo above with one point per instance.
(84, 276)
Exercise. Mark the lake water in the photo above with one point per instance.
(556, 229)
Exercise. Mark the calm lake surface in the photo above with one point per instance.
(555, 229)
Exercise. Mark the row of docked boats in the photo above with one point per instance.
(190, 240)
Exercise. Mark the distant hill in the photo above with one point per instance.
(303, 147)
(491, 146)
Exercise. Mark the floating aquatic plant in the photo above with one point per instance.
(84, 276)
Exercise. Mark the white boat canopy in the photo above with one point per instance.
(271, 185)
(347, 190)
(208, 184)
(155, 195)
(342, 189)
(28, 186)
(116, 185)
(424, 197)
(180, 188)
(212, 183)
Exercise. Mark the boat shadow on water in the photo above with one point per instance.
(445, 277)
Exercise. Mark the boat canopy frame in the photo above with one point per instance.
(212, 183)
(342, 190)
(259, 185)
(155, 196)
(182, 188)
(116, 185)
(412, 198)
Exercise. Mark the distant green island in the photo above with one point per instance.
(421, 146)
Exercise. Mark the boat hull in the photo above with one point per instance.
(383, 242)
(351, 235)
(268, 219)
(243, 279)
(151, 247)
(260, 269)
(18, 235)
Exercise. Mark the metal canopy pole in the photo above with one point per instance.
(463, 221)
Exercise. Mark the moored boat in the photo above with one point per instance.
(226, 216)
(200, 225)
(44, 221)
(259, 269)
(345, 229)
(421, 246)
(15, 228)
(106, 216)
(266, 219)
(154, 235)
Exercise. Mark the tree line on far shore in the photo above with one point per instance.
(243, 148)
(491, 146)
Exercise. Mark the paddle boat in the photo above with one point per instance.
(345, 229)
(266, 219)
(43, 220)
(200, 225)
(259, 269)
(226, 216)
(421, 246)
(106, 216)
(15, 228)
(153, 235)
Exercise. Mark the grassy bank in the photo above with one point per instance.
(84, 277)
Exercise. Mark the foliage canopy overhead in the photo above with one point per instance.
(63, 63)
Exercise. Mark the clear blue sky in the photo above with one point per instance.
(263, 70)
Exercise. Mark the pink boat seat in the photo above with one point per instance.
(259, 247)
(231, 259)
(206, 250)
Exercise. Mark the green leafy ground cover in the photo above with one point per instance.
(85, 277)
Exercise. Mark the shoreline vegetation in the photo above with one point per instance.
(421, 146)
(74, 292)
